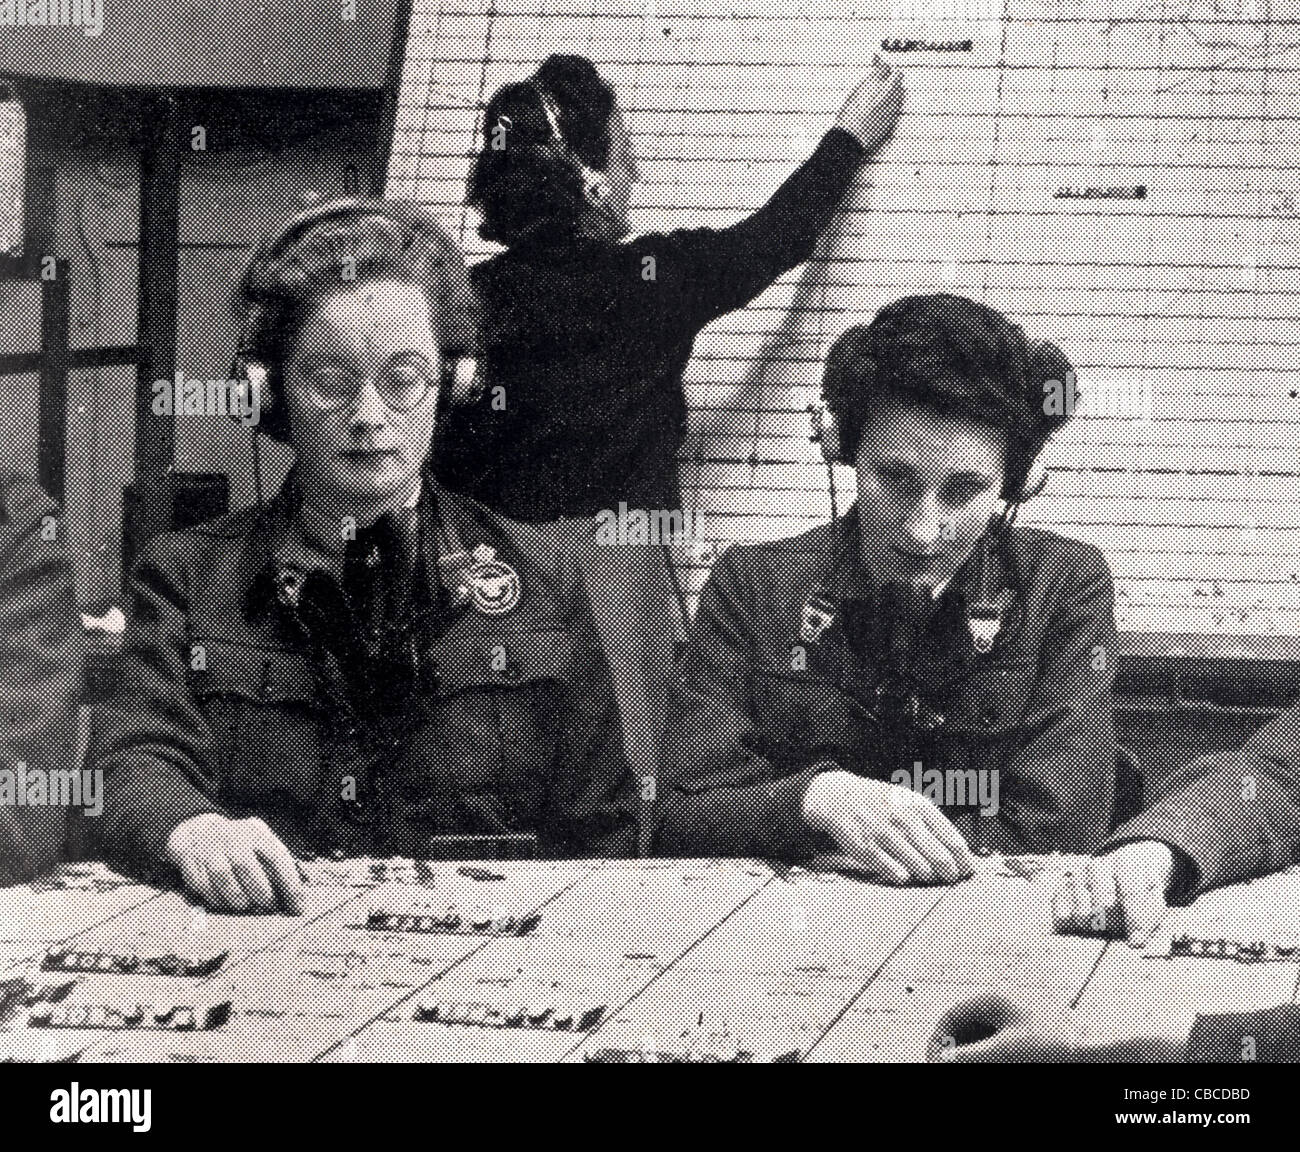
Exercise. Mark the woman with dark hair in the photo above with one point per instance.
(920, 679)
(586, 334)
(584, 338)
(365, 664)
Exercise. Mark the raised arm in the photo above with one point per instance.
(717, 271)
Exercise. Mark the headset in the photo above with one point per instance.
(986, 616)
(455, 310)
(595, 184)
(826, 433)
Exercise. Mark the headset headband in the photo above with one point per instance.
(330, 210)
(551, 110)
(552, 113)
(442, 253)
(455, 333)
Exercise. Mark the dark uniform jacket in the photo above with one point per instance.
(772, 694)
(1230, 816)
(229, 704)
(42, 654)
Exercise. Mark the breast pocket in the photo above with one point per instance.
(261, 706)
(500, 712)
(990, 715)
(803, 718)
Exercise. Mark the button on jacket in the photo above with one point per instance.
(42, 653)
(788, 674)
(226, 705)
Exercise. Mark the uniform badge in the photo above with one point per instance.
(288, 586)
(493, 585)
(818, 615)
(984, 622)
(984, 626)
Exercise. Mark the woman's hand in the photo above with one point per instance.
(236, 865)
(990, 1029)
(873, 107)
(897, 834)
(1125, 889)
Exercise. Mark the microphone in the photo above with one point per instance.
(903, 610)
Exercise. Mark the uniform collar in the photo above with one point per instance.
(296, 541)
(306, 539)
(985, 576)
(847, 578)
(322, 532)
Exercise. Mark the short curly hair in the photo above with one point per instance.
(953, 355)
(340, 244)
(525, 181)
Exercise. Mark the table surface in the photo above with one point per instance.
(828, 965)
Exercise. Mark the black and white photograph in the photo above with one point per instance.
(650, 531)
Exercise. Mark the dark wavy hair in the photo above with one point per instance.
(338, 245)
(951, 354)
(525, 181)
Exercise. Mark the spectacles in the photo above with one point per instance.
(402, 386)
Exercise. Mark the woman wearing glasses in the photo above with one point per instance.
(363, 664)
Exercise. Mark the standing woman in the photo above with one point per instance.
(586, 336)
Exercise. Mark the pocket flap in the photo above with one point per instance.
(269, 675)
(995, 699)
(503, 659)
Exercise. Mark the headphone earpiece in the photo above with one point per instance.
(258, 394)
(594, 183)
(461, 381)
(826, 432)
(259, 403)
(259, 382)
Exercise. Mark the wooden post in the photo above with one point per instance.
(155, 436)
(39, 214)
(52, 418)
(392, 89)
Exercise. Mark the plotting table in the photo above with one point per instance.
(830, 966)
